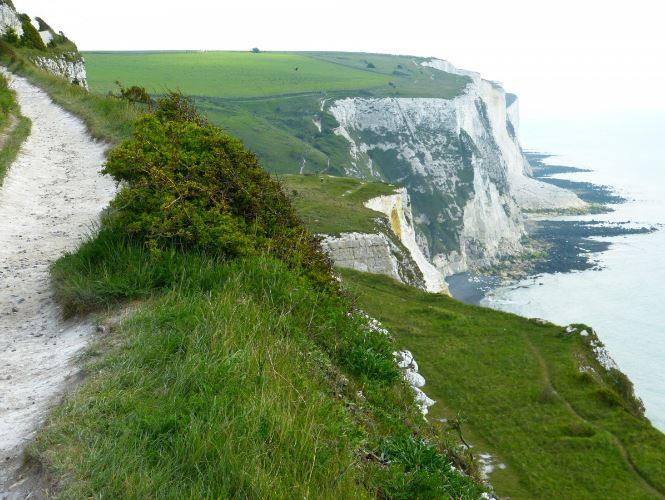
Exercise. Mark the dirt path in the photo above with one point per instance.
(50, 200)
(545, 373)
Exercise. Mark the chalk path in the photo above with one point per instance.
(50, 200)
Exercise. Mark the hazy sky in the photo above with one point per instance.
(564, 58)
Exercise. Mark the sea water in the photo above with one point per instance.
(625, 300)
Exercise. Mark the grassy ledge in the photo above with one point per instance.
(332, 205)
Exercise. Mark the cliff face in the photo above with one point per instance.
(70, 66)
(9, 19)
(461, 163)
(393, 251)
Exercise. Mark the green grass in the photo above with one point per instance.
(14, 128)
(225, 74)
(15, 138)
(332, 205)
(519, 386)
(233, 379)
(246, 75)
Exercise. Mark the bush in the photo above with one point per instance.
(188, 185)
(31, 38)
(11, 36)
(135, 94)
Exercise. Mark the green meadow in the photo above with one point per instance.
(247, 75)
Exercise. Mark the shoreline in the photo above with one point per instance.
(573, 243)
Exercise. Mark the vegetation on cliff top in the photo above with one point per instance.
(202, 346)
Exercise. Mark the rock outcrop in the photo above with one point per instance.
(9, 18)
(461, 163)
(397, 208)
(70, 66)
(375, 253)
(394, 251)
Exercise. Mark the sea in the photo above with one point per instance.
(623, 296)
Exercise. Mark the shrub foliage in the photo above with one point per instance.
(31, 38)
(186, 184)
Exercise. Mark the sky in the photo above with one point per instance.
(565, 59)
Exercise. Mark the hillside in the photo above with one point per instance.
(532, 395)
(258, 406)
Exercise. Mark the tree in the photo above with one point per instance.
(31, 38)
(256, 50)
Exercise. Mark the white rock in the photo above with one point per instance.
(9, 19)
(418, 131)
(70, 67)
(414, 378)
(47, 36)
(404, 358)
(397, 208)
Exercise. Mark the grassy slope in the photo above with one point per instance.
(498, 370)
(332, 205)
(561, 433)
(231, 379)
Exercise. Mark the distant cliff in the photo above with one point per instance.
(461, 162)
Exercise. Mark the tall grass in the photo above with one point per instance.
(234, 379)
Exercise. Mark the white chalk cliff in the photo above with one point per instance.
(393, 251)
(9, 19)
(68, 66)
(397, 207)
(461, 162)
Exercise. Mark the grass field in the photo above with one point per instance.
(226, 74)
(562, 433)
(246, 75)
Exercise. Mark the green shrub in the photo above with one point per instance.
(135, 94)
(11, 36)
(188, 185)
(31, 38)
